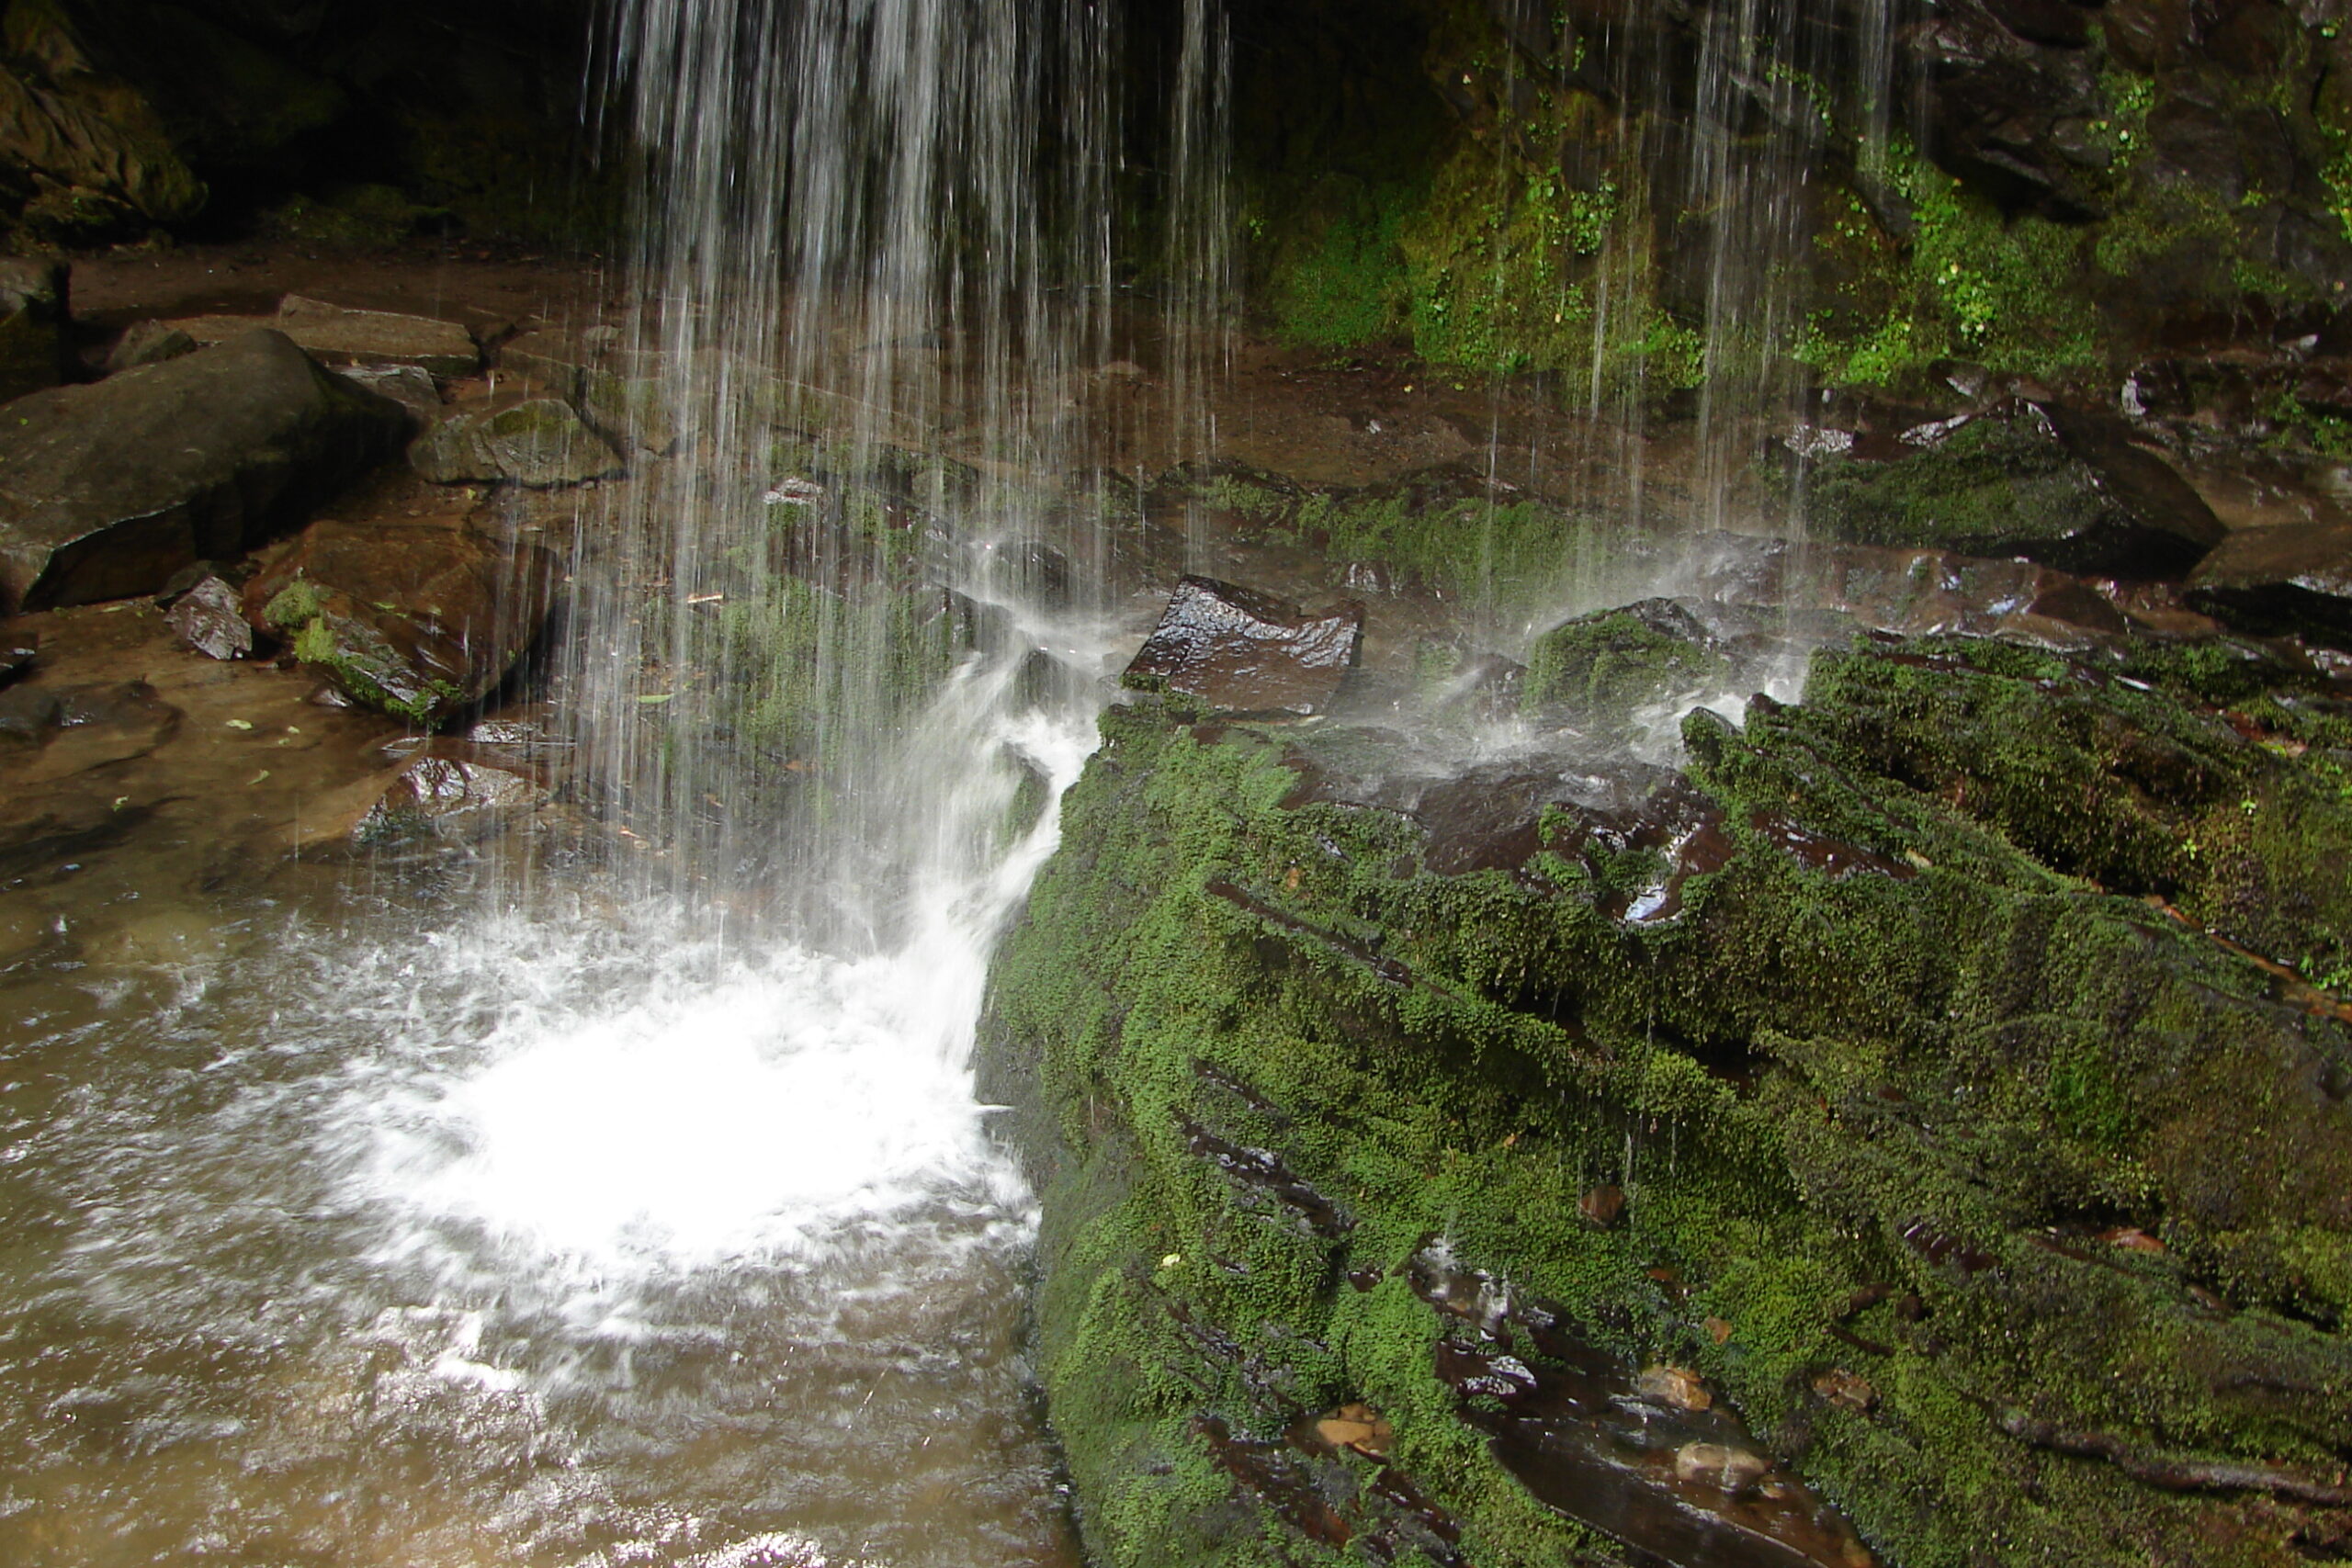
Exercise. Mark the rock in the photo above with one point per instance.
(406, 385)
(83, 727)
(1604, 1206)
(16, 656)
(1357, 1427)
(1846, 1391)
(2296, 578)
(1241, 651)
(1677, 1388)
(96, 152)
(337, 335)
(209, 619)
(1597, 671)
(1719, 1465)
(417, 621)
(148, 342)
(107, 489)
(34, 347)
(454, 789)
(540, 445)
(2062, 487)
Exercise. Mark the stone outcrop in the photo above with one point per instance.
(1968, 1048)
(106, 491)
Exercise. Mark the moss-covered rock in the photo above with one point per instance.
(2065, 488)
(2006, 1202)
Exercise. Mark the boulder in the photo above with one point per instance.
(540, 445)
(2273, 582)
(2063, 487)
(106, 491)
(1237, 651)
(335, 334)
(419, 621)
(148, 342)
(34, 351)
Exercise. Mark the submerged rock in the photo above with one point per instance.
(418, 621)
(2273, 582)
(540, 445)
(1236, 650)
(107, 489)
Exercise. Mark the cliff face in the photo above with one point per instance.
(1871, 187)
(351, 123)
(1422, 1151)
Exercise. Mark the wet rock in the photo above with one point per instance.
(1237, 651)
(82, 728)
(541, 445)
(210, 618)
(148, 342)
(34, 347)
(457, 790)
(1597, 670)
(2294, 579)
(107, 489)
(17, 654)
(417, 621)
(337, 335)
(1677, 1388)
(2065, 488)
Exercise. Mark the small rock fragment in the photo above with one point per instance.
(1730, 1470)
(1677, 1388)
(1603, 1206)
(1846, 1391)
(209, 619)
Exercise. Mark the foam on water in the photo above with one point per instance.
(625, 1118)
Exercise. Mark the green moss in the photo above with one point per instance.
(1601, 668)
(1829, 1072)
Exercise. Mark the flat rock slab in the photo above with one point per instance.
(1241, 651)
(416, 621)
(540, 444)
(339, 336)
(106, 491)
(2293, 579)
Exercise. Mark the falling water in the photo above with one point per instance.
(644, 1214)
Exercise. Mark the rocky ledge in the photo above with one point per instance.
(1916, 1129)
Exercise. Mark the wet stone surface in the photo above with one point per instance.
(1233, 650)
